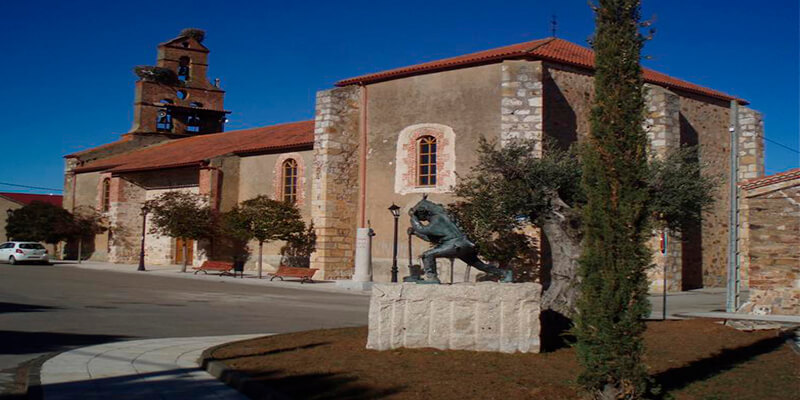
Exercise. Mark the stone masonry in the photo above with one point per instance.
(521, 102)
(662, 124)
(335, 186)
(485, 316)
(751, 165)
(125, 220)
(771, 206)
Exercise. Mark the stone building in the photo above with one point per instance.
(770, 243)
(388, 137)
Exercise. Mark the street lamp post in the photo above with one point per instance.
(144, 227)
(395, 210)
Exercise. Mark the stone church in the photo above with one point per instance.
(386, 138)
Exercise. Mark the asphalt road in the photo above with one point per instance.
(47, 309)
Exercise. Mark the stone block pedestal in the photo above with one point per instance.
(486, 316)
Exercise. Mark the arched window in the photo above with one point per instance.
(426, 161)
(289, 192)
(183, 68)
(105, 200)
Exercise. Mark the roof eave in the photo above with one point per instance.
(269, 149)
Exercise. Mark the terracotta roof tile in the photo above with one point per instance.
(77, 154)
(771, 179)
(194, 150)
(550, 49)
(27, 198)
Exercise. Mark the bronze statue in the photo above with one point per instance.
(448, 241)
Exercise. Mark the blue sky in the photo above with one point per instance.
(68, 85)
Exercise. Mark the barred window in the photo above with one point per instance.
(105, 202)
(290, 181)
(426, 161)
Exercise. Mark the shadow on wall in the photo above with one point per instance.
(692, 237)
(560, 122)
(87, 249)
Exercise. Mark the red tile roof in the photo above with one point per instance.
(77, 154)
(27, 198)
(550, 49)
(194, 150)
(771, 179)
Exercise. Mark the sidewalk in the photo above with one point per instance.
(250, 277)
(700, 300)
(142, 369)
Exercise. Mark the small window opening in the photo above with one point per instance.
(166, 101)
(290, 181)
(185, 44)
(183, 68)
(164, 120)
(426, 161)
(105, 201)
(196, 104)
(193, 123)
(182, 94)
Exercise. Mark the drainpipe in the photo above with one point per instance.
(362, 165)
(732, 298)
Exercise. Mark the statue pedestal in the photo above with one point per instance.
(486, 316)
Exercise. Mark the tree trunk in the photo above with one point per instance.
(562, 294)
(80, 246)
(185, 253)
(260, 247)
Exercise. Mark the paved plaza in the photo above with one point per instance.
(106, 328)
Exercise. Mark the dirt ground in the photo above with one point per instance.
(689, 359)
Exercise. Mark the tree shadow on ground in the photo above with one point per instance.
(314, 386)
(270, 352)
(699, 370)
(20, 308)
(20, 342)
(178, 383)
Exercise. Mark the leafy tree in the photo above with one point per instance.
(298, 248)
(510, 188)
(182, 215)
(86, 223)
(39, 222)
(616, 221)
(264, 220)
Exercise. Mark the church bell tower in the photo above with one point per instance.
(174, 98)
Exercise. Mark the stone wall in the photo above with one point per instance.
(125, 220)
(334, 197)
(568, 96)
(662, 124)
(466, 101)
(773, 246)
(486, 316)
(751, 165)
(521, 113)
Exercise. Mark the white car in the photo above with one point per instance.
(16, 252)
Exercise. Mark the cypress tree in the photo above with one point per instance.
(615, 258)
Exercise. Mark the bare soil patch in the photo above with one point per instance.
(690, 359)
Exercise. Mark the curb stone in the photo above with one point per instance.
(33, 388)
(242, 382)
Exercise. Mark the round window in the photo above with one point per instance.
(182, 94)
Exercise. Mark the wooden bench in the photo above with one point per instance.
(223, 267)
(304, 274)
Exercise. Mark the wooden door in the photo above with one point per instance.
(179, 251)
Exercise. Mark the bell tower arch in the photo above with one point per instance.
(174, 98)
